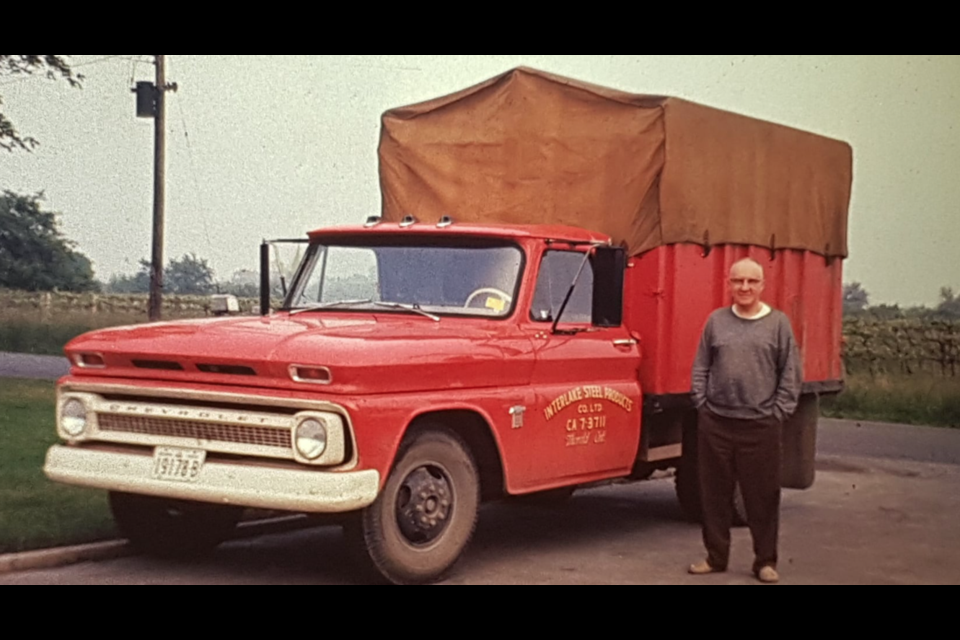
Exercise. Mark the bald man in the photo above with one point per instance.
(746, 382)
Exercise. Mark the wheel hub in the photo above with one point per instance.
(424, 504)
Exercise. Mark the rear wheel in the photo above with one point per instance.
(425, 515)
(172, 528)
(687, 481)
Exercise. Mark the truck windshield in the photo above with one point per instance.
(425, 277)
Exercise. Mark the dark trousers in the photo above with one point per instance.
(747, 452)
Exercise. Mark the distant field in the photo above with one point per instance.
(43, 323)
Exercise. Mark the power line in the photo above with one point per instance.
(193, 170)
(43, 76)
(104, 59)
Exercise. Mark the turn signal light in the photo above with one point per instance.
(316, 375)
(89, 360)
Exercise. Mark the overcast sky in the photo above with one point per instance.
(270, 146)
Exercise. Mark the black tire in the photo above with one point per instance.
(687, 481)
(425, 516)
(687, 486)
(172, 528)
(799, 444)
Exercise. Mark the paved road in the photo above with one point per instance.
(862, 438)
(23, 365)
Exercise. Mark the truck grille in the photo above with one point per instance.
(194, 429)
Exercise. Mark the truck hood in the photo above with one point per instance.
(366, 354)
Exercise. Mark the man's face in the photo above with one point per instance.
(746, 284)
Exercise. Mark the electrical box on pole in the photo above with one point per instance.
(146, 99)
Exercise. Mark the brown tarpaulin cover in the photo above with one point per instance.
(530, 147)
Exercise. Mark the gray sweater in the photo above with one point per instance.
(747, 368)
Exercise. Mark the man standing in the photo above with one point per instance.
(746, 382)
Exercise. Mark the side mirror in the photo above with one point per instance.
(609, 266)
(265, 270)
(265, 278)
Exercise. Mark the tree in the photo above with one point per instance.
(34, 254)
(51, 66)
(139, 282)
(921, 312)
(855, 298)
(189, 275)
(949, 303)
(244, 283)
(886, 312)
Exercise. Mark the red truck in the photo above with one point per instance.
(521, 319)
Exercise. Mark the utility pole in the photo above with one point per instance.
(156, 256)
(150, 104)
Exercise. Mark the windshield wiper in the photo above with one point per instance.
(407, 307)
(327, 305)
(347, 303)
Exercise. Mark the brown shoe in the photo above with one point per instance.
(768, 575)
(702, 569)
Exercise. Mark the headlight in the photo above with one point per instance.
(73, 417)
(311, 438)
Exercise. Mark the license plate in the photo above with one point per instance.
(179, 465)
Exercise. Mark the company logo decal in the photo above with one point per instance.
(587, 392)
(590, 423)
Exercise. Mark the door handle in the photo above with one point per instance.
(624, 342)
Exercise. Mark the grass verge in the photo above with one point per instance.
(35, 512)
(909, 399)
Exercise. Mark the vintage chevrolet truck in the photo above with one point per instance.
(520, 320)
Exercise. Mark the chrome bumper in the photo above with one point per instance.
(263, 487)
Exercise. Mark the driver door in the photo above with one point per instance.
(585, 425)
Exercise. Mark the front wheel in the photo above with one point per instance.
(425, 515)
(172, 528)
